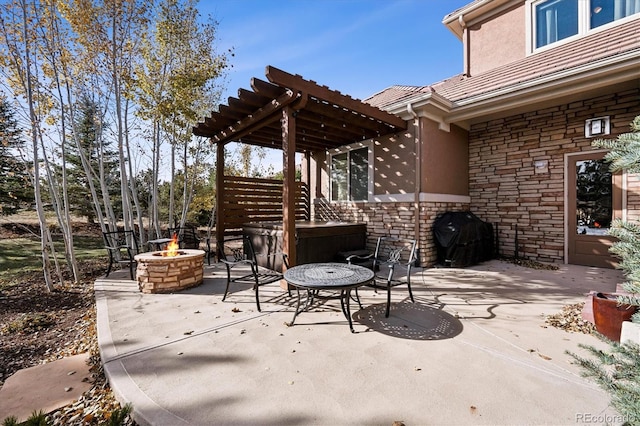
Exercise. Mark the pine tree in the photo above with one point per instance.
(88, 128)
(15, 185)
(617, 370)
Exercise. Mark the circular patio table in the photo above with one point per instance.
(313, 277)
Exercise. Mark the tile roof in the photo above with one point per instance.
(597, 46)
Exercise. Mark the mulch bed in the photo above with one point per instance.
(37, 326)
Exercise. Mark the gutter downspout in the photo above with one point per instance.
(465, 46)
(418, 176)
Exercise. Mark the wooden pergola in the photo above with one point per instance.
(294, 115)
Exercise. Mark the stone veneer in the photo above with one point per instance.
(505, 188)
(158, 274)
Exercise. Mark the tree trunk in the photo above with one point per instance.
(132, 182)
(36, 163)
(155, 202)
(172, 205)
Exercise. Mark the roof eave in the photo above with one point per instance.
(458, 19)
(590, 76)
(429, 105)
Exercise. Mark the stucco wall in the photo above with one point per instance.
(394, 163)
(506, 190)
(445, 157)
(499, 41)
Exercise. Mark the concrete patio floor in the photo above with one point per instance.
(473, 349)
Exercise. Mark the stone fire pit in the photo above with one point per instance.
(165, 274)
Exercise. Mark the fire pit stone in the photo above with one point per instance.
(156, 273)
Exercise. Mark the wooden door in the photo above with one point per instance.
(594, 200)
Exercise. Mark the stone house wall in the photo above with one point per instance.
(633, 198)
(508, 191)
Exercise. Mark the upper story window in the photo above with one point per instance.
(350, 175)
(556, 20)
(605, 11)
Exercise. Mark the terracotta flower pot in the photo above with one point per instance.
(608, 314)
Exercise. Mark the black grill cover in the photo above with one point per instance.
(462, 239)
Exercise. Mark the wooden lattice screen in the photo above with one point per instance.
(258, 200)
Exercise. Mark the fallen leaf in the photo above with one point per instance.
(187, 333)
(236, 310)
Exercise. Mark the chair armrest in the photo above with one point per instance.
(236, 262)
(353, 257)
(117, 247)
(272, 254)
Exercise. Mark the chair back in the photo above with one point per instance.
(391, 250)
(236, 249)
(187, 237)
(115, 241)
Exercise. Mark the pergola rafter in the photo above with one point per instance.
(296, 115)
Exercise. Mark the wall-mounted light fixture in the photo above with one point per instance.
(598, 126)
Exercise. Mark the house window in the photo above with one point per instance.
(350, 175)
(605, 11)
(557, 20)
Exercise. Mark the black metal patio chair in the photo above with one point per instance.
(391, 262)
(122, 247)
(187, 237)
(238, 252)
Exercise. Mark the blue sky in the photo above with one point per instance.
(358, 47)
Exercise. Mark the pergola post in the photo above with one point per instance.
(220, 210)
(289, 183)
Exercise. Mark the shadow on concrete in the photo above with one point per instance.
(415, 321)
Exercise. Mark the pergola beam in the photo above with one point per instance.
(250, 121)
(311, 88)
